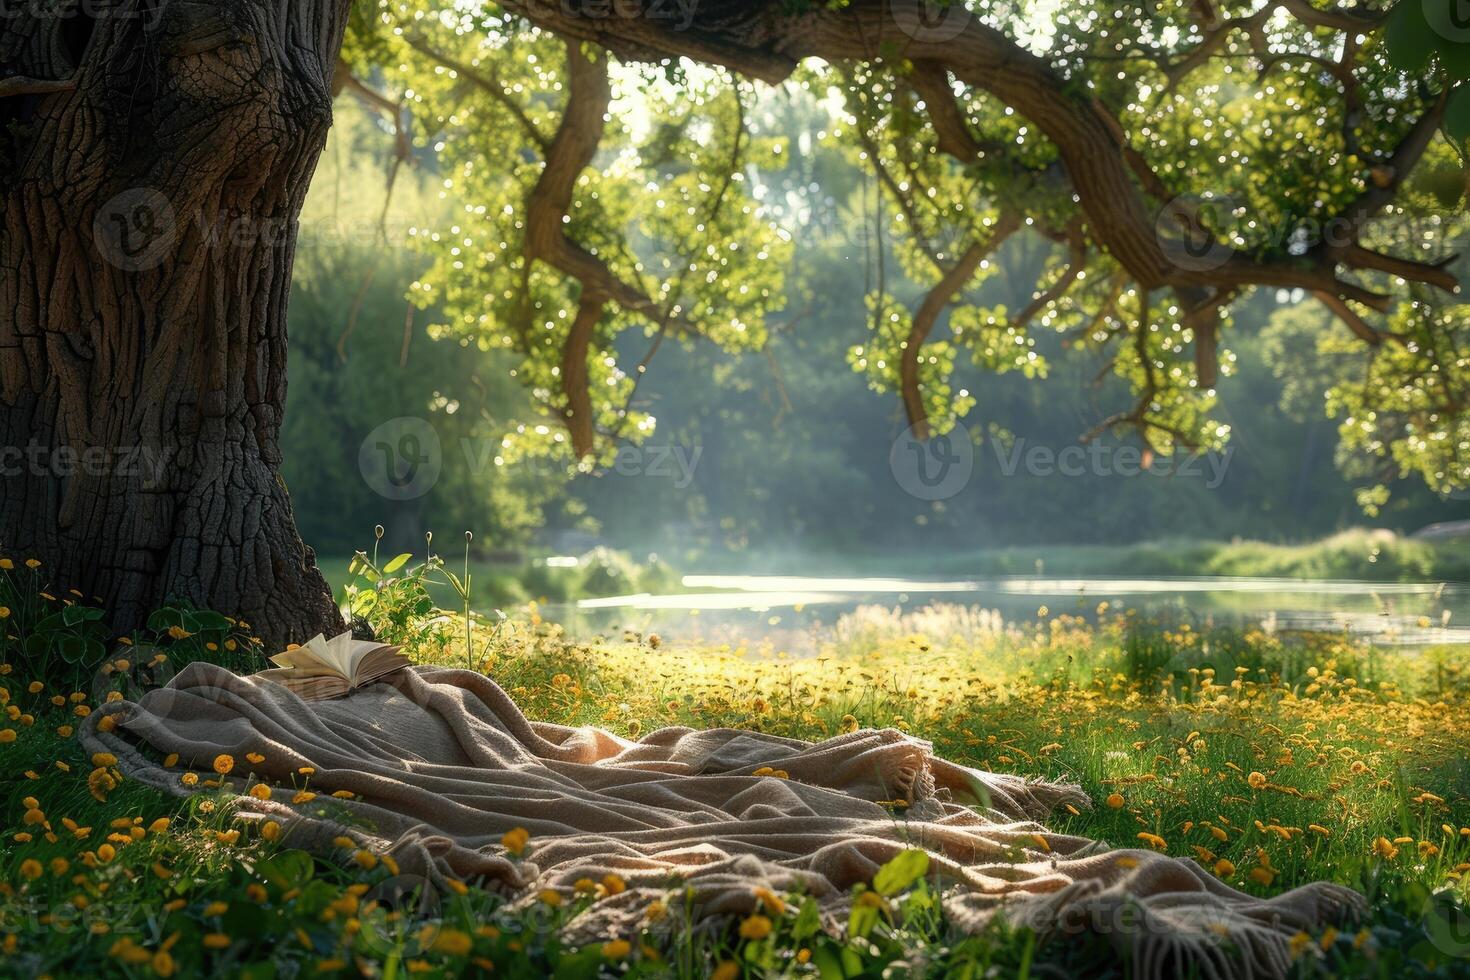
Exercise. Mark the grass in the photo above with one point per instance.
(599, 572)
(1273, 760)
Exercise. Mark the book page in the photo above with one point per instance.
(302, 656)
(337, 652)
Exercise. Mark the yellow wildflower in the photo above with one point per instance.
(617, 949)
(1384, 848)
(515, 840)
(453, 942)
(756, 927)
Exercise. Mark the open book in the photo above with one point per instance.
(322, 668)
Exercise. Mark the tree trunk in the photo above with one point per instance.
(156, 157)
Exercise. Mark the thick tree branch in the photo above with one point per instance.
(1104, 171)
(570, 152)
(935, 301)
(1433, 273)
(578, 413)
(1349, 316)
(1396, 170)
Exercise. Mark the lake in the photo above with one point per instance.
(791, 609)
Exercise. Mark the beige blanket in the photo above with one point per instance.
(441, 763)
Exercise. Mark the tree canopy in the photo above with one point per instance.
(608, 167)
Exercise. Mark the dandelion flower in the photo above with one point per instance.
(756, 927)
(773, 903)
(514, 840)
(453, 942)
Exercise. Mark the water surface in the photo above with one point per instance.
(721, 607)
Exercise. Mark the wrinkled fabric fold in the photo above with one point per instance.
(441, 764)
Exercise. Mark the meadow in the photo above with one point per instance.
(1272, 759)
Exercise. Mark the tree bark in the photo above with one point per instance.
(147, 234)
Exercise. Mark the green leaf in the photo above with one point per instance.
(397, 563)
(808, 921)
(1449, 33)
(861, 920)
(73, 649)
(581, 965)
(208, 620)
(264, 970)
(287, 870)
(829, 967)
(1447, 184)
(162, 619)
(906, 868)
(1457, 114)
(1408, 39)
(363, 603)
(1455, 58)
(52, 623)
